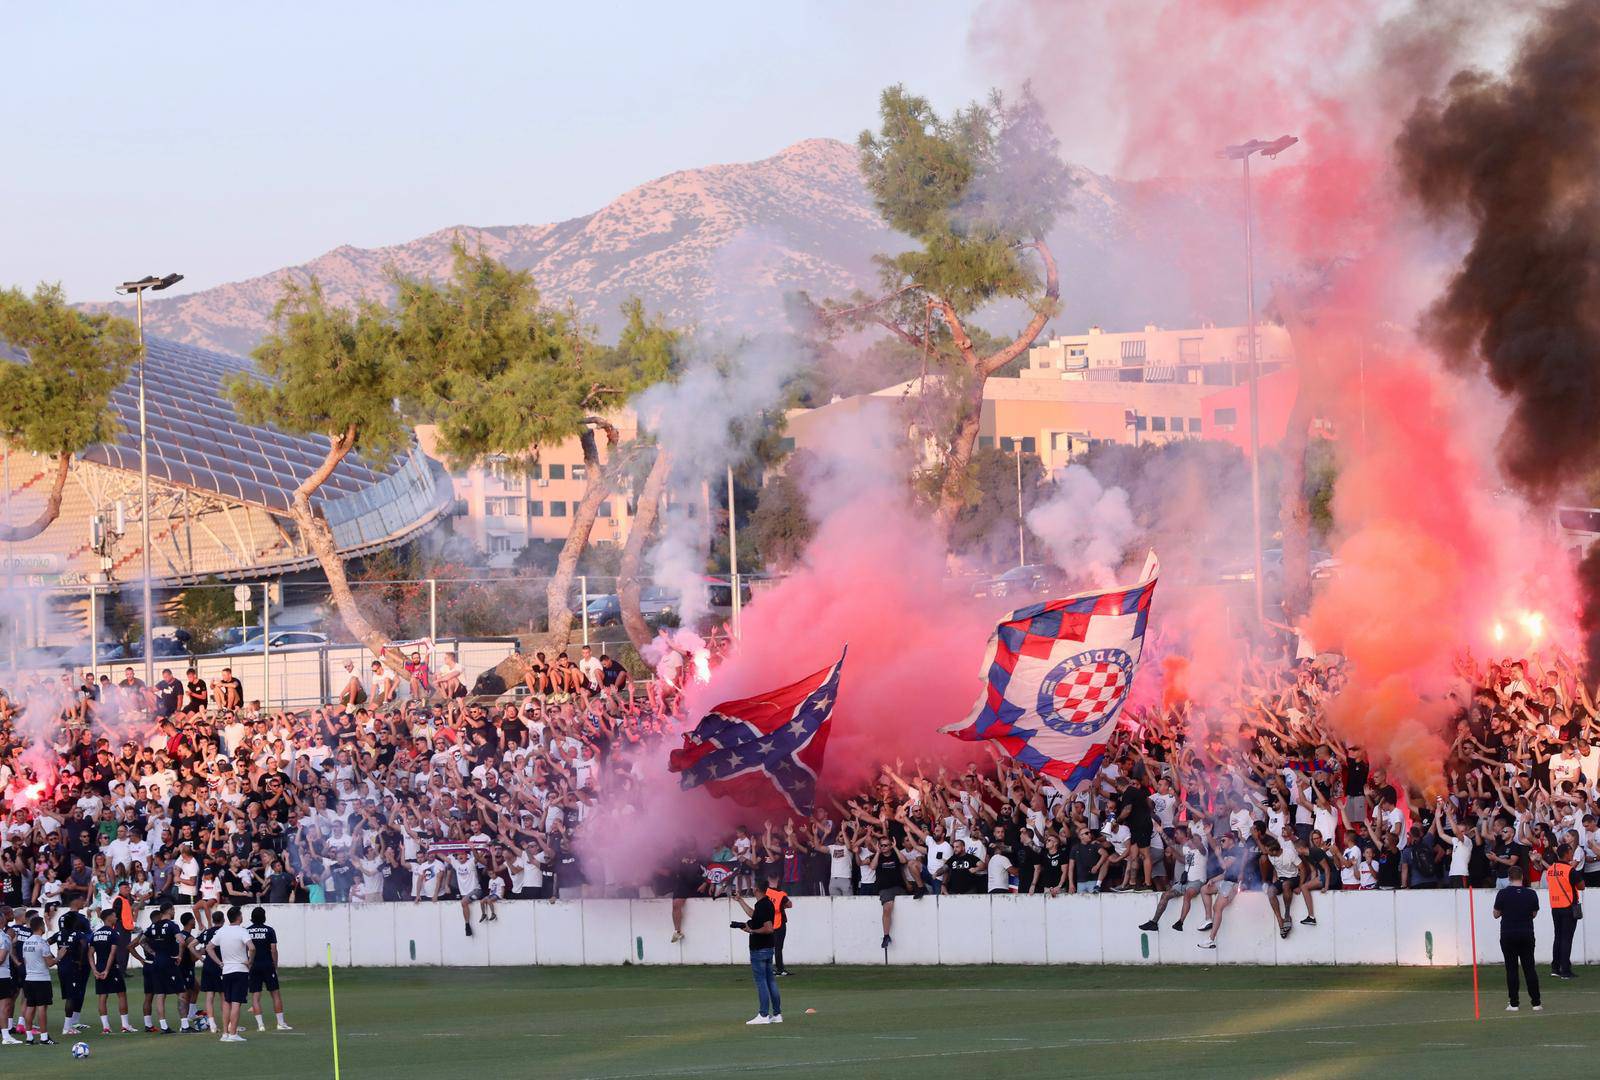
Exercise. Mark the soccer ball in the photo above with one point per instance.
(201, 1023)
(80, 1050)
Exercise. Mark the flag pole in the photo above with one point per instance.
(333, 1016)
(1472, 927)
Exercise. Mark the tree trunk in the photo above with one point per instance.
(597, 486)
(953, 488)
(644, 521)
(51, 510)
(319, 538)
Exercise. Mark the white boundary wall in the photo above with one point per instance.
(1411, 928)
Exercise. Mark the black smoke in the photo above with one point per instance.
(1517, 158)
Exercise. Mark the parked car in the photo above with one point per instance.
(1032, 579)
(280, 641)
(656, 603)
(1244, 571)
(106, 652)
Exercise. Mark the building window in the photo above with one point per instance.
(985, 442)
(1225, 417)
(1139, 423)
(1191, 350)
(1177, 423)
(1029, 445)
(579, 471)
(1158, 423)
(536, 471)
(499, 545)
(505, 507)
(558, 472)
(605, 509)
(1077, 352)
(536, 508)
(1194, 425)
(1133, 351)
(558, 508)
(1005, 444)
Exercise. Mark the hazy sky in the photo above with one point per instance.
(223, 140)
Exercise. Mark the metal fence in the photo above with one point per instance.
(289, 634)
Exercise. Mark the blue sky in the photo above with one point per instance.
(224, 140)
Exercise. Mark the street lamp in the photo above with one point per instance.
(1022, 524)
(1242, 153)
(138, 289)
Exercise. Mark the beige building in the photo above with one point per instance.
(1212, 355)
(502, 510)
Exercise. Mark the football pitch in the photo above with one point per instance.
(617, 1023)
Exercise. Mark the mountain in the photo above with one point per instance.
(718, 245)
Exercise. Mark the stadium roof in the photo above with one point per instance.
(197, 441)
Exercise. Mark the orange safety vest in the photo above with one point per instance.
(1558, 879)
(777, 896)
(122, 911)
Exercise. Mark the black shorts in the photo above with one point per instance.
(115, 982)
(211, 979)
(887, 893)
(263, 980)
(184, 981)
(8, 989)
(235, 987)
(38, 993)
(73, 983)
(1142, 834)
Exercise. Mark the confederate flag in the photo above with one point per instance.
(757, 748)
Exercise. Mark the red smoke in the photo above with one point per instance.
(1430, 556)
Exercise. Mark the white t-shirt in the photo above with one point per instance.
(1163, 806)
(939, 852)
(839, 862)
(999, 872)
(1460, 852)
(589, 668)
(466, 874)
(1286, 864)
(1351, 875)
(1193, 863)
(233, 945)
(869, 873)
(35, 949)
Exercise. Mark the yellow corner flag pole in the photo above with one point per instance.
(333, 1016)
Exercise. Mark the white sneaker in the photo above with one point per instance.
(754, 1020)
(7, 1040)
(285, 1027)
(1538, 1008)
(777, 1018)
(1511, 1008)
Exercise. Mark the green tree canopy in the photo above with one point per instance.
(57, 402)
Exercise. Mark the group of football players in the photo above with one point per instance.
(181, 962)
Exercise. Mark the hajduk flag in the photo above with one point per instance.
(764, 749)
(1057, 675)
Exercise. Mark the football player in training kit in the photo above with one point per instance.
(9, 983)
(188, 986)
(159, 947)
(72, 964)
(109, 949)
(264, 969)
(37, 991)
(210, 970)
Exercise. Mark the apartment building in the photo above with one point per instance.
(501, 509)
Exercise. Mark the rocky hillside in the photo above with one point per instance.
(718, 245)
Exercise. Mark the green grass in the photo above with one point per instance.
(878, 1022)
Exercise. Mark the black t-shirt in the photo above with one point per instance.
(764, 913)
(959, 872)
(1136, 800)
(1084, 858)
(1355, 777)
(167, 694)
(107, 944)
(1517, 905)
(889, 876)
(1054, 872)
(196, 691)
(279, 886)
(264, 937)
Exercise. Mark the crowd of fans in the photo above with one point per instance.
(406, 789)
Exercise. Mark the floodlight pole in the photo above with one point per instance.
(1242, 154)
(137, 288)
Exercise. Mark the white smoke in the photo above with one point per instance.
(1086, 527)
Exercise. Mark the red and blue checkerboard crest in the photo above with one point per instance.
(1057, 674)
